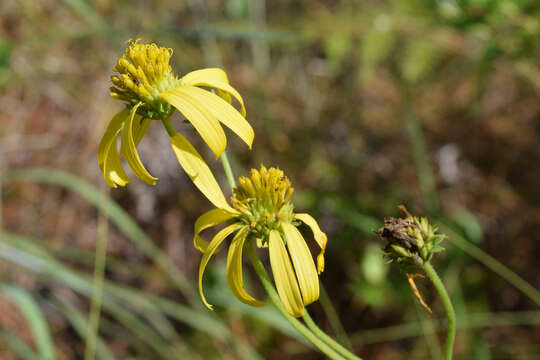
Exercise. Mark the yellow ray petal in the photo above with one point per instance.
(202, 120)
(114, 127)
(320, 237)
(284, 276)
(223, 111)
(112, 168)
(216, 78)
(199, 172)
(108, 159)
(140, 127)
(206, 220)
(130, 150)
(212, 247)
(303, 263)
(234, 269)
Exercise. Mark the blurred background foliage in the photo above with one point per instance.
(365, 105)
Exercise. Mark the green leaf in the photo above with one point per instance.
(34, 317)
(437, 248)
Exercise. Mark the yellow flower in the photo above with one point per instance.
(262, 212)
(147, 84)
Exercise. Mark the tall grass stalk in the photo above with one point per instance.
(99, 273)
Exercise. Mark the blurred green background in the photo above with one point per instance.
(365, 105)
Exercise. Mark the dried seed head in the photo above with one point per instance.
(410, 240)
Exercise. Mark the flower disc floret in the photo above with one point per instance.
(143, 73)
(263, 201)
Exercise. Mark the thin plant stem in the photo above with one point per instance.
(274, 298)
(97, 292)
(333, 318)
(228, 170)
(447, 303)
(327, 339)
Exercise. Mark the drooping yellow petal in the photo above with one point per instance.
(199, 172)
(215, 78)
(200, 117)
(140, 127)
(234, 269)
(108, 158)
(207, 220)
(284, 276)
(130, 150)
(320, 237)
(223, 111)
(114, 127)
(212, 247)
(303, 263)
(112, 168)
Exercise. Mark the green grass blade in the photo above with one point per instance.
(87, 13)
(34, 317)
(115, 214)
(80, 325)
(24, 251)
(97, 293)
(18, 346)
(491, 263)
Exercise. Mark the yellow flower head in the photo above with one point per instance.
(151, 91)
(143, 73)
(262, 212)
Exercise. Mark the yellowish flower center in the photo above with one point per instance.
(143, 73)
(263, 200)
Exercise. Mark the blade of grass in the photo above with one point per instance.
(34, 317)
(116, 215)
(18, 346)
(428, 331)
(85, 287)
(333, 318)
(421, 160)
(471, 321)
(97, 292)
(24, 252)
(81, 326)
(490, 262)
(87, 13)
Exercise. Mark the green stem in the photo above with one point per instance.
(450, 313)
(333, 318)
(168, 126)
(228, 170)
(274, 298)
(327, 339)
(97, 293)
